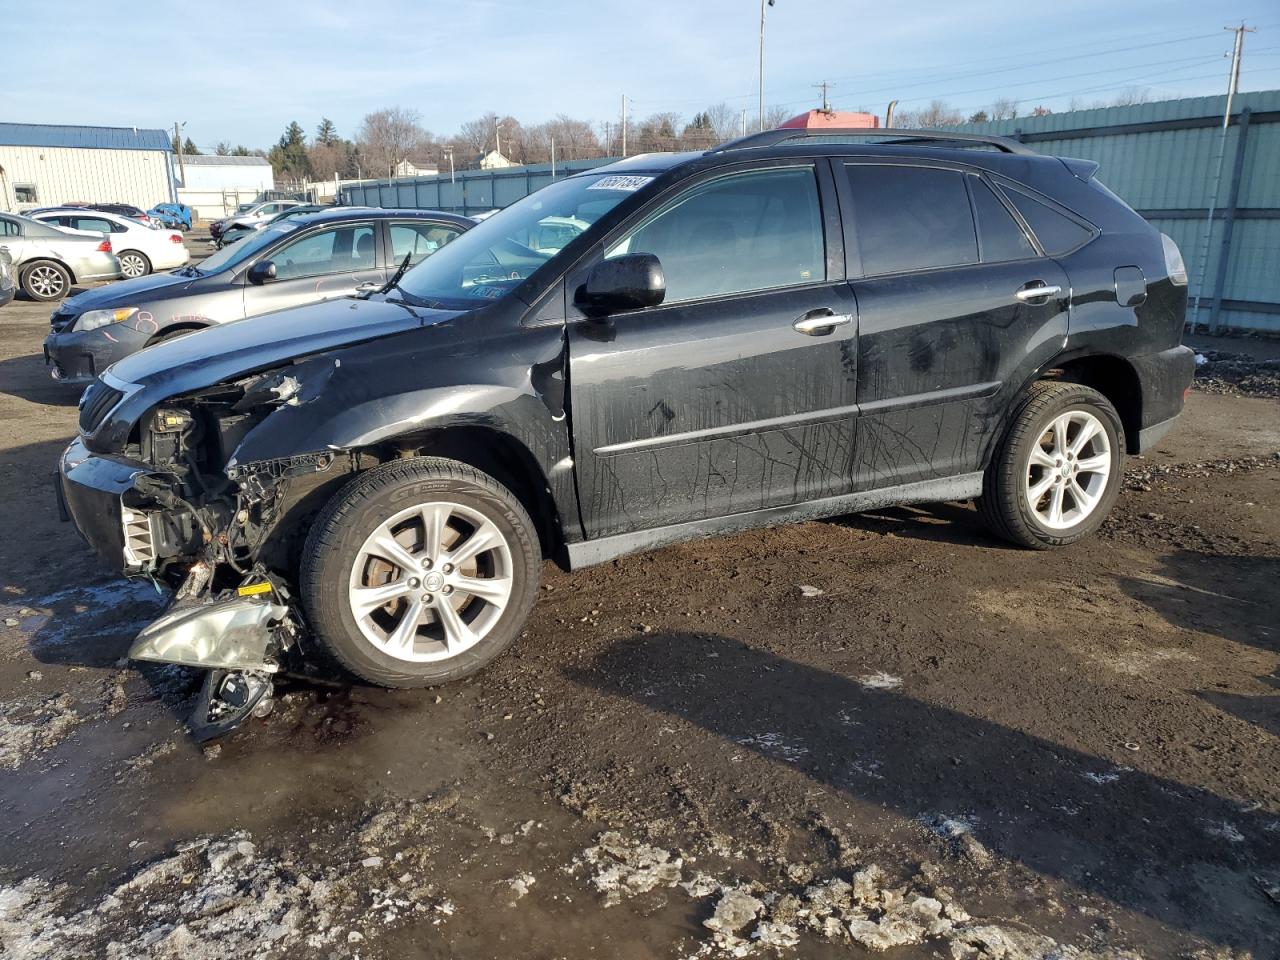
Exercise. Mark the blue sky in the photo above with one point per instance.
(240, 71)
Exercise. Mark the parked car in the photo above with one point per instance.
(779, 329)
(252, 214)
(49, 260)
(174, 216)
(231, 234)
(8, 283)
(139, 248)
(119, 209)
(312, 258)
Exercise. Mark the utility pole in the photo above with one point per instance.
(826, 108)
(763, 4)
(553, 158)
(449, 151)
(497, 136)
(1233, 85)
(744, 123)
(624, 125)
(177, 143)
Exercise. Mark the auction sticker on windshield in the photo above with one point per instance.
(629, 184)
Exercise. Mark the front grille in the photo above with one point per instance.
(96, 403)
(62, 320)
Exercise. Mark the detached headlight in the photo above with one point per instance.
(101, 318)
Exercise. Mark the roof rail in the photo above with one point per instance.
(768, 138)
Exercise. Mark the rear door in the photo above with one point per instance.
(323, 263)
(716, 402)
(955, 301)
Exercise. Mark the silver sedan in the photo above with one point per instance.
(48, 261)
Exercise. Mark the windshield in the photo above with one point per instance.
(239, 252)
(495, 255)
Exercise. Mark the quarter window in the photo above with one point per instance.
(743, 232)
(911, 218)
(1002, 238)
(9, 228)
(1058, 234)
(418, 240)
(344, 249)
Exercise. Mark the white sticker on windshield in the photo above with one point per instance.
(628, 184)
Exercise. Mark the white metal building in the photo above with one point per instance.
(42, 165)
(213, 186)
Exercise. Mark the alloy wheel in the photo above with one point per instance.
(430, 582)
(132, 265)
(1068, 470)
(46, 282)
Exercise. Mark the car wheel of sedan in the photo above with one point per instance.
(134, 264)
(420, 572)
(46, 281)
(1057, 471)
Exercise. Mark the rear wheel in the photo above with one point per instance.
(420, 572)
(1057, 471)
(133, 263)
(46, 280)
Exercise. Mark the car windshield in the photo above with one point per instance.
(496, 255)
(248, 247)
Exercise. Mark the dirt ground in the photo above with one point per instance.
(882, 732)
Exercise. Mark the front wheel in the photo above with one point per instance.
(1056, 473)
(420, 572)
(134, 264)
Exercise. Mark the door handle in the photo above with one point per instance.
(818, 323)
(1036, 292)
(368, 286)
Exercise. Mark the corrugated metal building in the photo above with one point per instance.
(42, 165)
(214, 186)
(1162, 158)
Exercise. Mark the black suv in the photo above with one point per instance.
(786, 327)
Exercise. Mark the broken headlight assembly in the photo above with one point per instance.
(93, 319)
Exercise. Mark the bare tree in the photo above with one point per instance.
(1004, 109)
(575, 140)
(936, 114)
(477, 136)
(1130, 96)
(725, 121)
(389, 136)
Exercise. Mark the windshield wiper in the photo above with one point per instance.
(400, 271)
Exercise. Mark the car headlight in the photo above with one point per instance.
(101, 318)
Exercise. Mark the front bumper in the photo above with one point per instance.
(77, 357)
(91, 488)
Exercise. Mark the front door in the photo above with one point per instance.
(737, 392)
(951, 314)
(324, 263)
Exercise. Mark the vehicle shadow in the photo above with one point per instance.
(27, 378)
(957, 523)
(1232, 597)
(1145, 842)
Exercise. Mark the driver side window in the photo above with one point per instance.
(343, 249)
(744, 232)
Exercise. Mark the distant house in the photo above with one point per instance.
(213, 186)
(493, 160)
(407, 168)
(42, 165)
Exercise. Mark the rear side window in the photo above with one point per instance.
(1000, 235)
(742, 232)
(419, 240)
(911, 218)
(1057, 233)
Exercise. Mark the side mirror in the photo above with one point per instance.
(261, 272)
(629, 282)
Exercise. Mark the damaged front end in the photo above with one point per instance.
(175, 506)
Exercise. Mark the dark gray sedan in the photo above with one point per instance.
(294, 262)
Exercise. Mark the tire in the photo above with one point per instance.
(134, 264)
(455, 632)
(45, 280)
(1040, 493)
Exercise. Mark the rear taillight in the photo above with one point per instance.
(175, 237)
(1173, 264)
(104, 246)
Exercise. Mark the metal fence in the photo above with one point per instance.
(1162, 158)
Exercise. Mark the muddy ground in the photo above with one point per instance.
(886, 731)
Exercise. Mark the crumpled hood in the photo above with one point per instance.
(228, 350)
(122, 293)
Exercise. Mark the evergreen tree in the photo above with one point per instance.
(327, 133)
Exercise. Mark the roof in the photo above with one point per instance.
(380, 213)
(89, 138)
(213, 160)
(817, 119)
